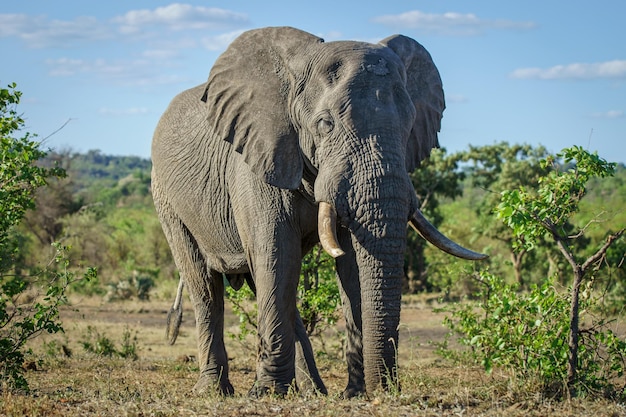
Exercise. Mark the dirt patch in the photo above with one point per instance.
(419, 326)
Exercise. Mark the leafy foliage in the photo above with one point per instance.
(437, 179)
(318, 298)
(245, 308)
(532, 214)
(104, 212)
(494, 169)
(318, 294)
(19, 176)
(100, 344)
(525, 333)
(24, 316)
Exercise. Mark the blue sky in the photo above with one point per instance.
(537, 72)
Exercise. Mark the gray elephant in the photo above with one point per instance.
(293, 141)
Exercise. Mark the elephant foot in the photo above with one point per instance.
(309, 385)
(309, 389)
(260, 391)
(354, 391)
(207, 384)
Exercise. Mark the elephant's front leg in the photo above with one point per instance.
(276, 274)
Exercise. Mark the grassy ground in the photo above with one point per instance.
(159, 382)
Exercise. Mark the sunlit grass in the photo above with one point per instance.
(159, 382)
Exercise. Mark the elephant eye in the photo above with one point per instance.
(325, 126)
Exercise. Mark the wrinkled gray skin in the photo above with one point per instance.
(240, 164)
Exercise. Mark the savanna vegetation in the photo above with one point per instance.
(86, 278)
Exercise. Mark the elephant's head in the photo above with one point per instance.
(357, 117)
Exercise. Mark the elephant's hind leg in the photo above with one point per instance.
(206, 290)
(208, 301)
(307, 376)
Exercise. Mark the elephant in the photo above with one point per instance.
(294, 141)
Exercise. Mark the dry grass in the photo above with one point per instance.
(160, 381)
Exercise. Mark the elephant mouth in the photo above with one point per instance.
(327, 230)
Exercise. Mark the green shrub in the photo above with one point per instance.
(318, 298)
(100, 344)
(29, 303)
(245, 308)
(318, 293)
(546, 212)
(526, 334)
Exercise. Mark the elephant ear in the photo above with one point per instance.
(426, 90)
(247, 99)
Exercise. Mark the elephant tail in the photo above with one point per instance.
(175, 315)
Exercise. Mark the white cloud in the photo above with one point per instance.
(133, 111)
(450, 23)
(579, 71)
(220, 42)
(179, 16)
(127, 73)
(611, 114)
(65, 67)
(456, 98)
(69, 67)
(151, 42)
(41, 32)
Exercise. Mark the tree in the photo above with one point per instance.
(20, 178)
(533, 214)
(54, 201)
(496, 168)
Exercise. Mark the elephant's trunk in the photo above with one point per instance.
(373, 233)
(372, 195)
(381, 263)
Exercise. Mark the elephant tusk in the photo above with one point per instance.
(430, 233)
(327, 229)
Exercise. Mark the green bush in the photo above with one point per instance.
(318, 293)
(29, 303)
(100, 344)
(245, 308)
(318, 298)
(546, 213)
(526, 334)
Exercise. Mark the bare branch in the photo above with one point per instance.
(602, 251)
(56, 131)
(567, 254)
(582, 231)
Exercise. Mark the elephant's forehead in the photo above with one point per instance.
(348, 58)
(350, 52)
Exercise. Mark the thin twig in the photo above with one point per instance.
(56, 131)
